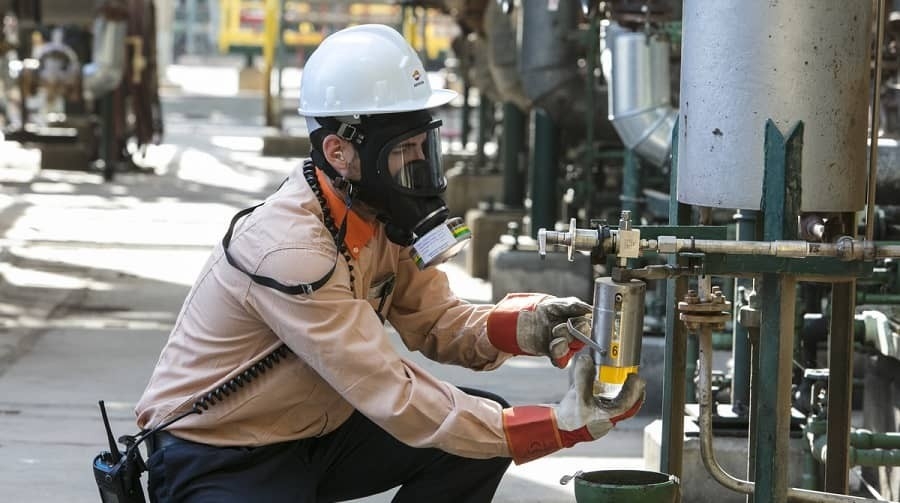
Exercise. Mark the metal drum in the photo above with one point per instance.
(746, 62)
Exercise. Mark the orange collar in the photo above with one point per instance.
(359, 231)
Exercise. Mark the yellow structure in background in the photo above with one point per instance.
(242, 25)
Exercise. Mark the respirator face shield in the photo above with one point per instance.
(409, 166)
(411, 162)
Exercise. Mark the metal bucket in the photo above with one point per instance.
(626, 486)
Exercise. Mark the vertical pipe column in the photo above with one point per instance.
(740, 381)
(780, 205)
(485, 123)
(672, 450)
(513, 142)
(754, 405)
(544, 161)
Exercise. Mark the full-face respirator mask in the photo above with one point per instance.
(403, 181)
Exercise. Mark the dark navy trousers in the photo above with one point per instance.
(357, 459)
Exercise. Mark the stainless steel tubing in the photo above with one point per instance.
(845, 248)
(707, 452)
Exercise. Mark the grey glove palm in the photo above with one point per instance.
(581, 411)
(543, 331)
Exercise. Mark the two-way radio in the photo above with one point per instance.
(118, 474)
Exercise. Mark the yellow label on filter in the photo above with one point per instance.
(615, 375)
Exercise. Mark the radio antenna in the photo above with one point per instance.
(113, 448)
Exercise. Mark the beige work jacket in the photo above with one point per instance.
(342, 356)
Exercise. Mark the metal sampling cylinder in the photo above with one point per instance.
(617, 326)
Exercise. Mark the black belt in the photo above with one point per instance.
(161, 440)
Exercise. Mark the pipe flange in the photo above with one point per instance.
(713, 314)
(704, 307)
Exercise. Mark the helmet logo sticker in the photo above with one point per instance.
(418, 78)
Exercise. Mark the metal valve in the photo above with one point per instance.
(573, 239)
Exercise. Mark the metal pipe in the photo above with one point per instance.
(857, 457)
(877, 298)
(865, 439)
(753, 334)
(876, 112)
(513, 144)
(740, 381)
(845, 248)
(636, 68)
(707, 453)
(543, 167)
(704, 394)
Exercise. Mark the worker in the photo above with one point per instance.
(279, 381)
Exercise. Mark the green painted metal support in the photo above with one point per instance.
(513, 148)
(823, 268)
(485, 125)
(780, 207)
(543, 168)
(864, 448)
(840, 386)
(740, 347)
(672, 448)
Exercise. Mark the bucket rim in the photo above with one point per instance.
(665, 478)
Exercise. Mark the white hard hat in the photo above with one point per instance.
(365, 70)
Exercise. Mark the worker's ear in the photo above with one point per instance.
(333, 148)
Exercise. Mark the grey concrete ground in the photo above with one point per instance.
(93, 275)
